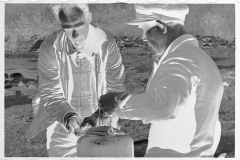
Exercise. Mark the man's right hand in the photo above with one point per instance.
(73, 123)
(91, 120)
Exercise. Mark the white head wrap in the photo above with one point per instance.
(163, 12)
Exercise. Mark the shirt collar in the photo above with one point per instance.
(184, 39)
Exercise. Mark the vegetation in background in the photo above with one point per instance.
(211, 20)
(112, 18)
(37, 19)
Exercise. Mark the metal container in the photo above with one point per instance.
(102, 144)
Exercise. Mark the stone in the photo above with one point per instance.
(6, 76)
(16, 76)
(8, 84)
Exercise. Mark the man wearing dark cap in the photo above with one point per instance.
(76, 65)
(183, 93)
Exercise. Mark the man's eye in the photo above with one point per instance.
(104, 110)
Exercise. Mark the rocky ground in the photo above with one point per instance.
(137, 57)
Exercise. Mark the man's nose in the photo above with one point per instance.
(75, 34)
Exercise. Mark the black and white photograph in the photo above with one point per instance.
(130, 80)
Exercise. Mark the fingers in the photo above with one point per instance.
(84, 122)
(79, 132)
(79, 120)
(89, 120)
(72, 125)
(124, 101)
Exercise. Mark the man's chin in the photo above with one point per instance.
(77, 46)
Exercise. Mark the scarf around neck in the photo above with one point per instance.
(94, 40)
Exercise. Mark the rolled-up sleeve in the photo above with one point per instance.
(50, 85)
(169, 90)
(114, 69)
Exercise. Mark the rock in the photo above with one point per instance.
(223, 45)
(19, 93)
(122, 48)
(135, 45)
(8, 84)
(6, 76)
(141, 54)
(215, 44)
(203, 41)
(206, 45)
(29, 82)
(128, 45)
(35, 37)
(16, 82)
(16, 76)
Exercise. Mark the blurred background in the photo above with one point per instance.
(26, 22)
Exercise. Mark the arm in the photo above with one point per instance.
(169, 90)
(114, 69)
(50, 84)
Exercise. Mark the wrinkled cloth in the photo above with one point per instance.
(59, 142)
(181, 102)
(163, 12)
(56, 81)
(82, 98)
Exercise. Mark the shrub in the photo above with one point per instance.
(112, 18)
(211, 20)
(26, 24)
(37, 19)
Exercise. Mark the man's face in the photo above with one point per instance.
(77, 31)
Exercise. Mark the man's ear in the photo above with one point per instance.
(89, 17)
(162, 25)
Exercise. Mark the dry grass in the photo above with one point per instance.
(211, 20)
(15, 128)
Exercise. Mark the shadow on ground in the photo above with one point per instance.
(226, 145)
(17, 100)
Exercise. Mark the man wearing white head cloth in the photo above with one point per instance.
(76, 65)
(183, 93)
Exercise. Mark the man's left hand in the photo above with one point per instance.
(73, 123)
(112, 100)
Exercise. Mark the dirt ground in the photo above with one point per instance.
(18, 112)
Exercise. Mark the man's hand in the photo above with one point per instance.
(91, 120)
(72, 122)
(112, 100)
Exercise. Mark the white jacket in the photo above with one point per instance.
(181, 102)
(56, 81)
